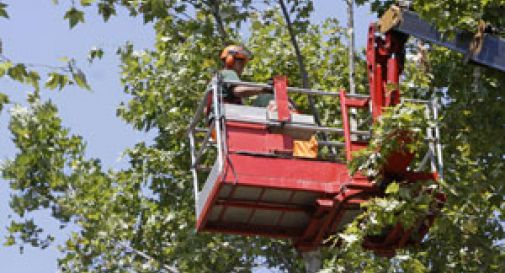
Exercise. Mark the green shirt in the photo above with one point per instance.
(229, 75)
(262, 100)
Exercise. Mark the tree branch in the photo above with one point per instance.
(299, 57)
(303, 72)
(215, 9)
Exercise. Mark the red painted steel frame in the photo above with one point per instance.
(281, 98)
(385, 57)
(345, 104)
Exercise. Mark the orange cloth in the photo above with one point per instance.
(213, 134)
(301, 148)
(307, 149)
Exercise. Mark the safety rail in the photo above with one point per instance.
(196, 155)
(217, 124)
(296, 90)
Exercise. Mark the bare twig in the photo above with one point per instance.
(52, 67)
(4, 58)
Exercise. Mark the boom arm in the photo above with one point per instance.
(482, 48)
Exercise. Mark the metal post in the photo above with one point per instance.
(351, 50)
(393, 80)
(350, 37)
(216, 88)
(437, 137)
(429, 134)
(312, 261)
(193, 167)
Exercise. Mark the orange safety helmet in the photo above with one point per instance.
(232, 52)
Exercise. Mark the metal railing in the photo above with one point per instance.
(215, 125)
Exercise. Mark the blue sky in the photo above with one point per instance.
(36, 33)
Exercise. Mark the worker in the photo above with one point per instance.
(234, 59)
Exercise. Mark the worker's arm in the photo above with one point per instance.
(247, 91)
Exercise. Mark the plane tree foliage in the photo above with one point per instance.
(141, 218)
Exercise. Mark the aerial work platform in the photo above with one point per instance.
(255, 186)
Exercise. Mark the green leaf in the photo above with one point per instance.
(52, 81)
(4, 67)
(95, 53)
(56, 80)
(393, 188)
(80, 79)
(34, 79)
(3, 12)
(10, 241)
(106, 10)
(87, 2)
(74, 16)
(4, 99)
(64, 59)
(18, 72)
(391, 86)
